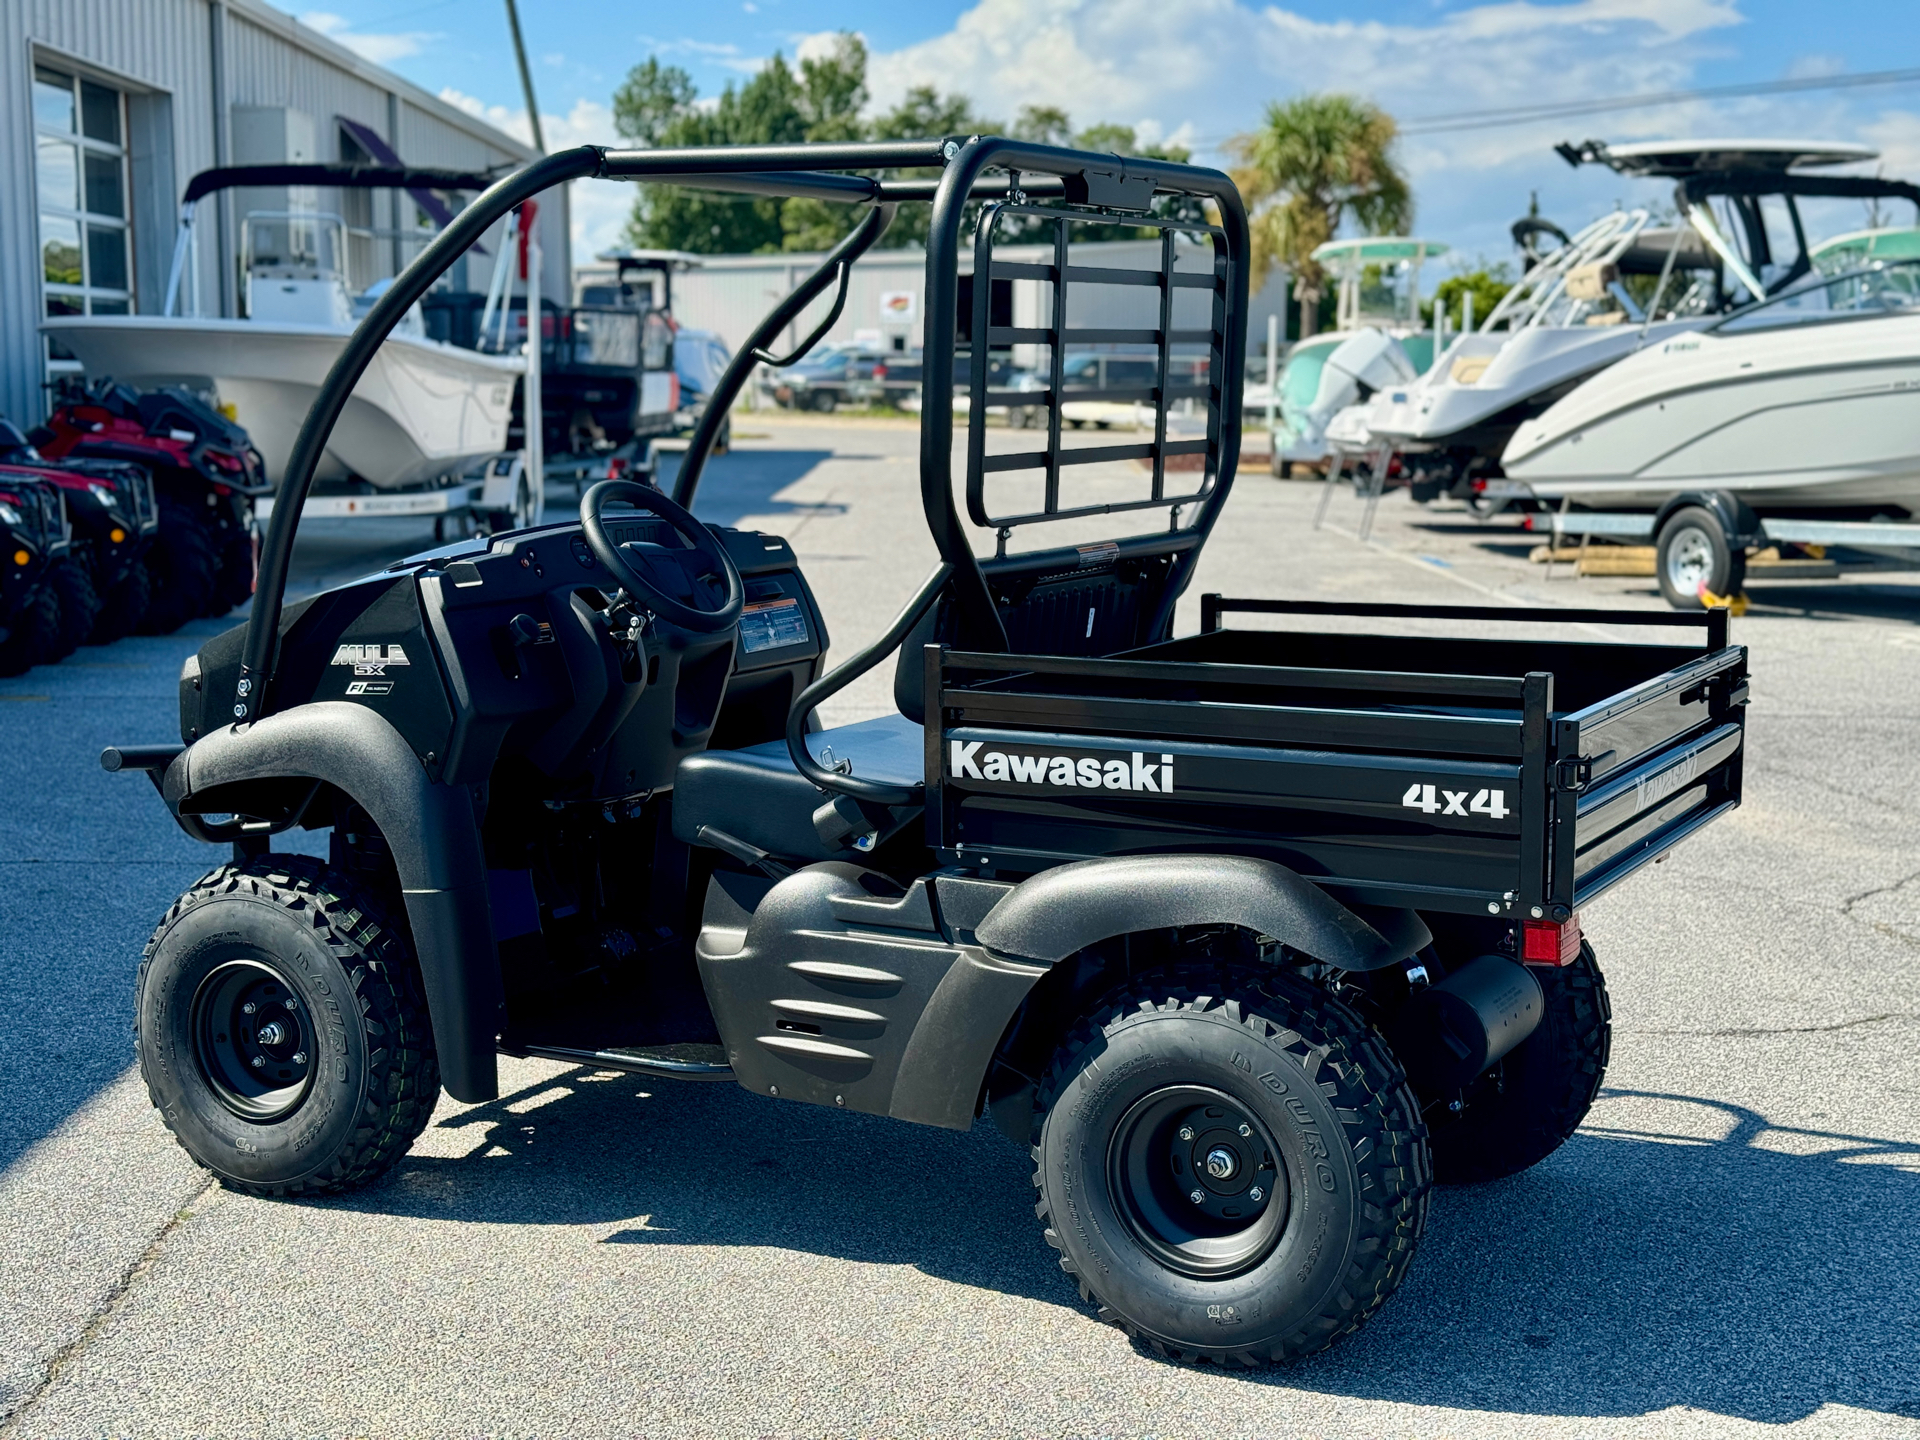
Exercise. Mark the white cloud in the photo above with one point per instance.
(600, 207)
(381, 49)
(1202, 71)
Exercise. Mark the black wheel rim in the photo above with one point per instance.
(253, 1040)
(1198, 1181)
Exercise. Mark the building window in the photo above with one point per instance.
(80, 130)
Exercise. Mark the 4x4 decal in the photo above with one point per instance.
(1438, 800)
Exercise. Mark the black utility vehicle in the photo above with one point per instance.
(1249, 934)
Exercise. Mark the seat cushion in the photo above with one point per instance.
(757, 796)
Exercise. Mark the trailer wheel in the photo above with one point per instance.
(183, 564)
(1693, 554)
(1528, 1105)
(33, 633)
(280, 1030)
(1230, 1164)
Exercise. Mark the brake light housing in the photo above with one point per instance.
(1550, 942)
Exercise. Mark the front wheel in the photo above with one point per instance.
(1231, 1164)
(280, 1030)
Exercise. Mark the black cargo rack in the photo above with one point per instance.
(1346, 771)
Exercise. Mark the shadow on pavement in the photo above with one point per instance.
(1759, 1274)
(748, 482)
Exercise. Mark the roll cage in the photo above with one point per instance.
(1044, 188)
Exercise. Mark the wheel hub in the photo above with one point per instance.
(1198, 1180)
(251, 1040)
(1690, 560)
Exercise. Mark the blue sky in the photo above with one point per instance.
(1200, 70)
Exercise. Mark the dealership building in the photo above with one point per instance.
(109, 107)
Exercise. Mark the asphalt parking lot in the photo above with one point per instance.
(1731, 1246)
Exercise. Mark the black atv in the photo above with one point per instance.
(1249, 935)
(33, 528)
(114, 517)
(206, 475)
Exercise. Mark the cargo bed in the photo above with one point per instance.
(1515, 777)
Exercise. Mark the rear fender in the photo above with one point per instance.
(1062, 911)
(430, 830)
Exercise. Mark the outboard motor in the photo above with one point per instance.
(1372, 360)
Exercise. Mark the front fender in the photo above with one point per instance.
(430, 830)
(1062, 911)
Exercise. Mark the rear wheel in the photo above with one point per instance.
(1530, 1104)
(233, 583)
(280, 1030)
(122, 606)
(79, 605)
(824, 401)
(183, 569)
(1693, 555)
(1231, 1164)
(33, 632)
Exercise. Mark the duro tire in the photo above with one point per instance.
(1530, 1104)
(1692, 554)
(280, 1030)
(70, 580)
(34, 632)
(183, 566)
(1218, 1084)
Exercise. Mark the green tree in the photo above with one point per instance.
(651, 98)
(1313, 162)
(924, 113)
(1487, 285)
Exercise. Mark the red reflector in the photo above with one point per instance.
(1549, 942)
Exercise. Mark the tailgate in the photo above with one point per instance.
(1646, 768)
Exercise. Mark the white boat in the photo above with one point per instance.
(1620, 286)
(424, 411)
(1809, 399)
(1377, 342)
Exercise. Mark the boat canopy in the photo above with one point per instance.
(1675, 159)
(1376, 250)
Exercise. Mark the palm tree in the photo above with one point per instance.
(1314, 161)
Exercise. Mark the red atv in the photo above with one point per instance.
(113, 517)
(206, 474)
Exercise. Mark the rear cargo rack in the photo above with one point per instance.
(1490, 776)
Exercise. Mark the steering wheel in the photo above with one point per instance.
(633, 577)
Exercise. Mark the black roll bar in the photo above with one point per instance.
(344, 177)
(1108, 182)
(734, 378)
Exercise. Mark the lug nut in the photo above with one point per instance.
(1256, 1194)
(1197, 1196)
(1186, 1132)
(299, 1057)
(248, 1008)
(291, 1003)
(1246, 1129)
(259, 1062)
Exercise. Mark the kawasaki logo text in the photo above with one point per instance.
(1140, 771)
